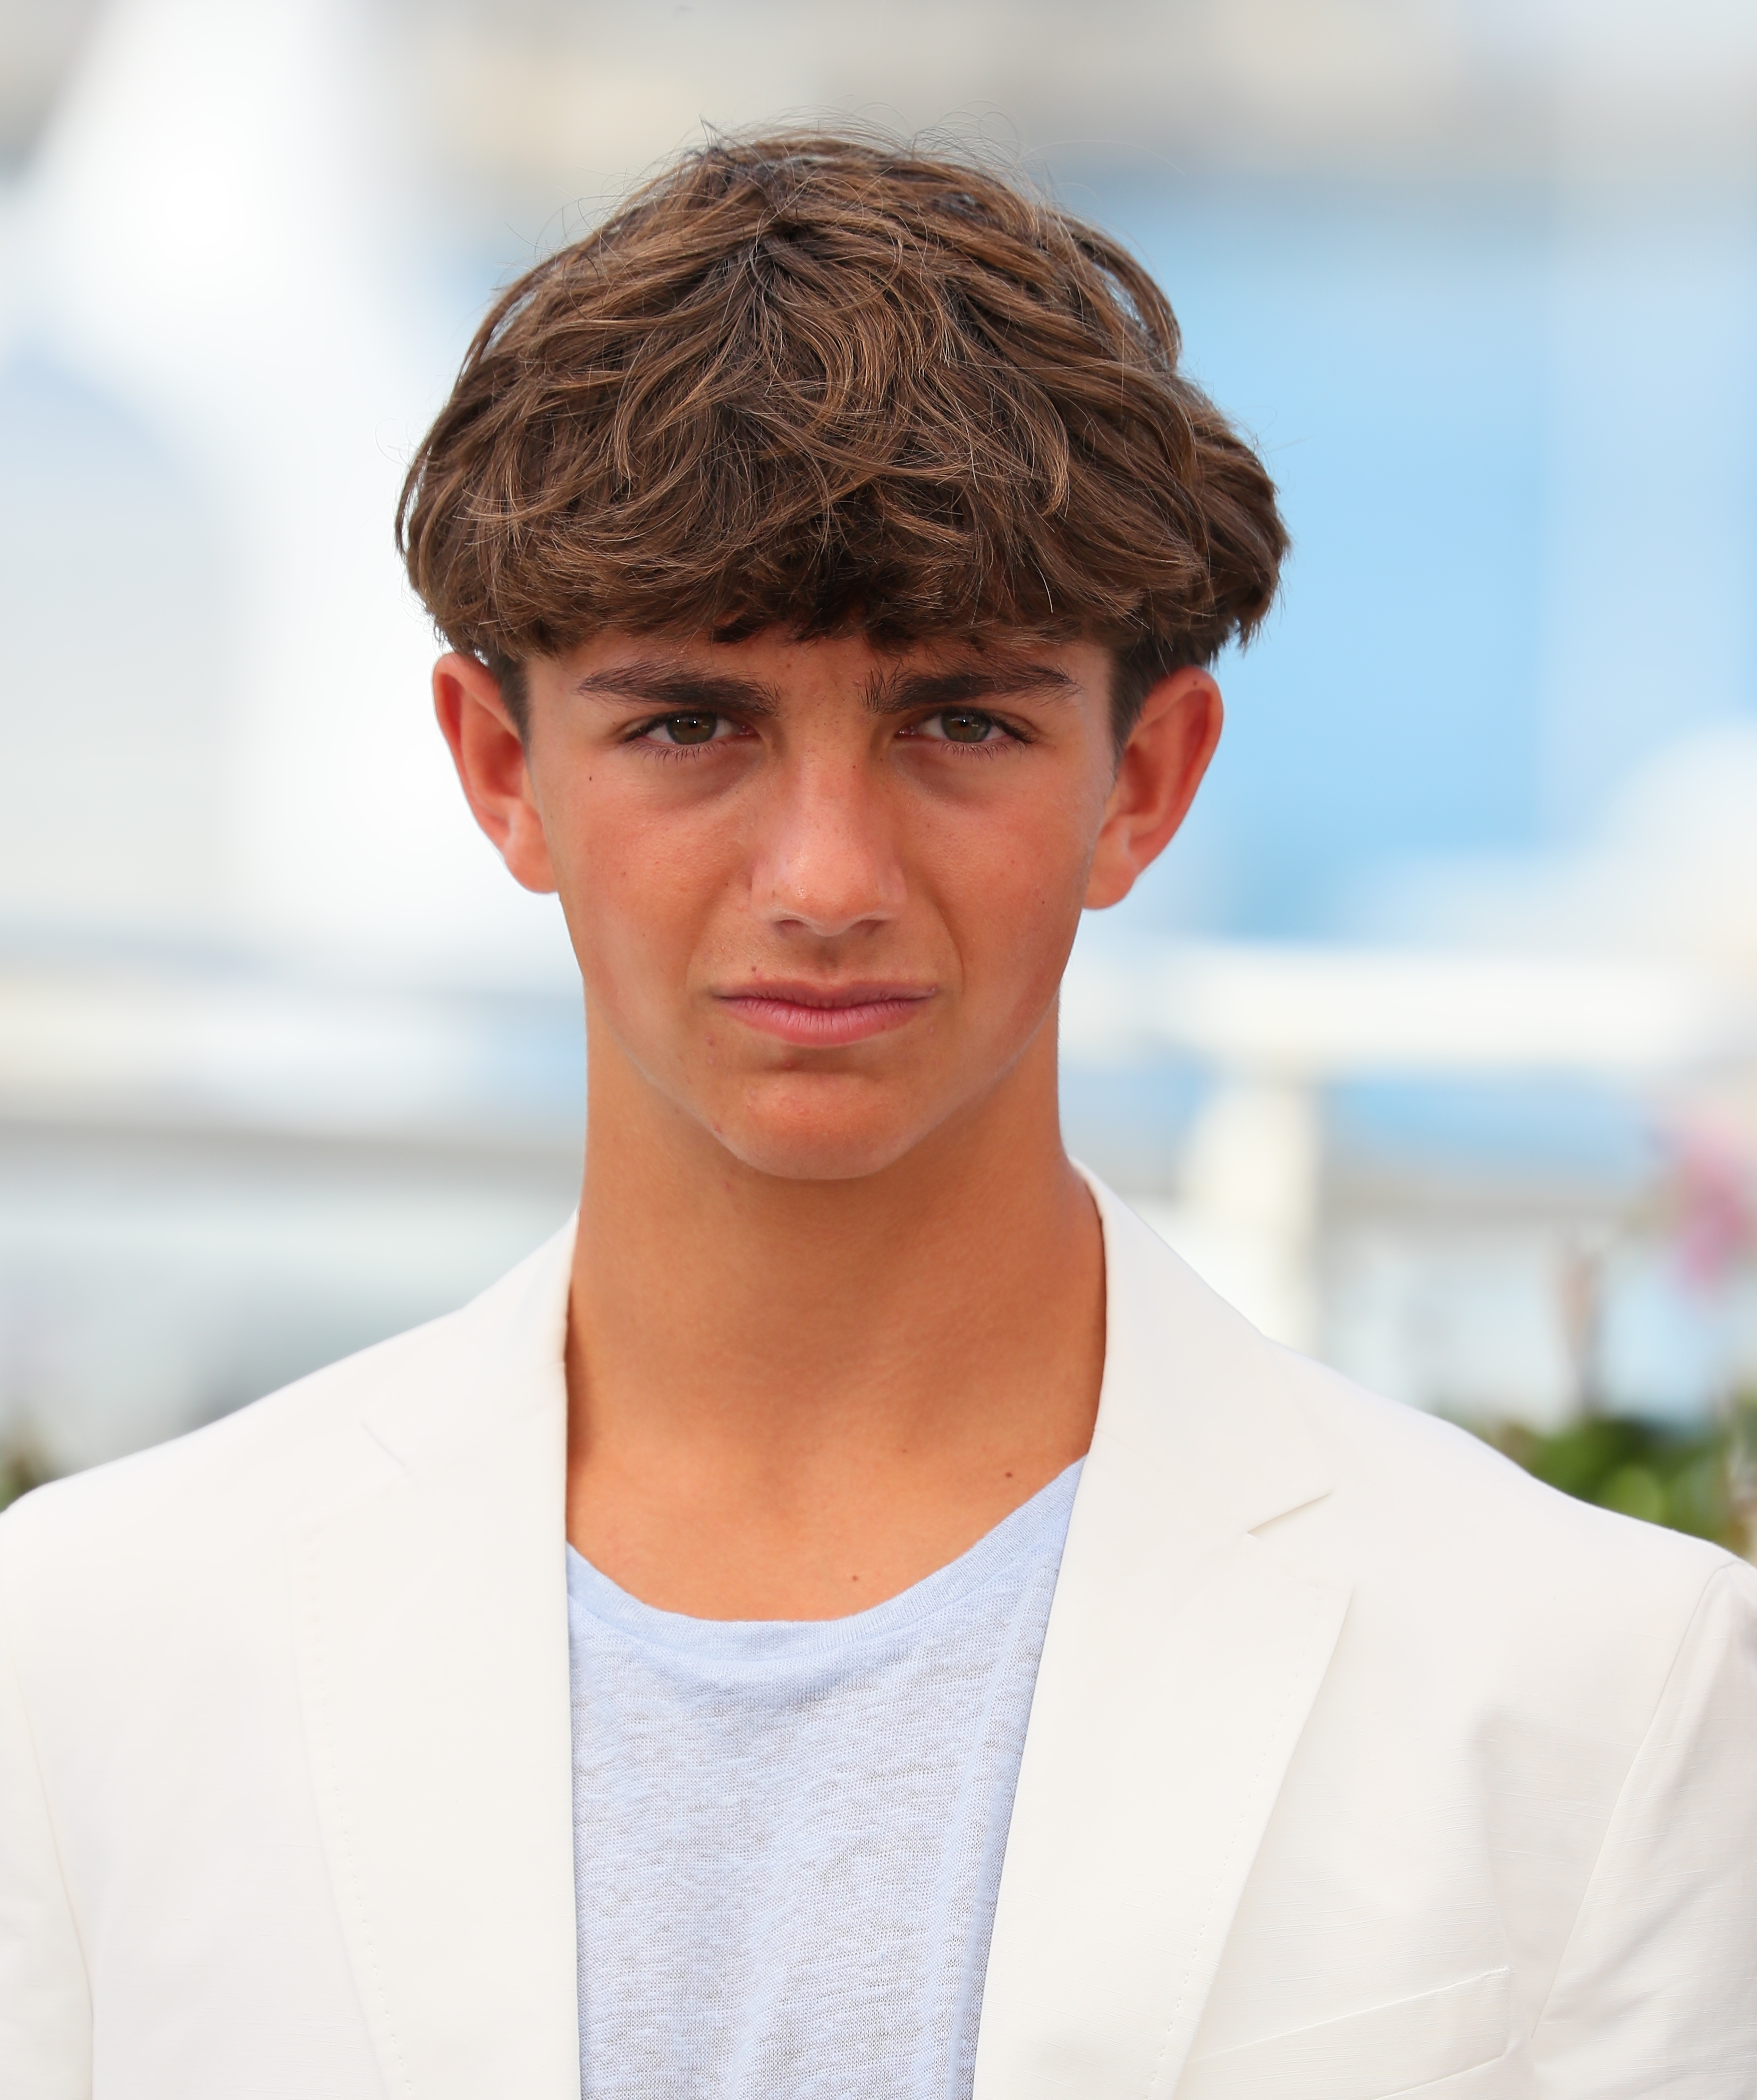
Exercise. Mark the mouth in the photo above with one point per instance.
(825, 1016)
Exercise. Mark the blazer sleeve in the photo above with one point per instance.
(44, 1999)
(1657, 1990)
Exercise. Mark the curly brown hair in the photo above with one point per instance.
(830, 384)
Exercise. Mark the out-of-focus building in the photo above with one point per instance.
(1430, 1040)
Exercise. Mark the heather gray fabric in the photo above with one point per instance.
(788, 1837)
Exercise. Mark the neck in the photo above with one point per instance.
(791, 1398)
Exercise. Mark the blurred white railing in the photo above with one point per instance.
(1308, 1012)
(1274, 1023)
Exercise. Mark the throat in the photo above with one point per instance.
(794, 1404)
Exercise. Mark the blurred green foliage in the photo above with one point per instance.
(1700, 1482)
(20, 1471)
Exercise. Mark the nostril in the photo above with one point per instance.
(827, 899)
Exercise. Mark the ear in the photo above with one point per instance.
(1162, 765)
(490, 757)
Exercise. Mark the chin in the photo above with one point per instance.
(790, 1156)
(846, 1137)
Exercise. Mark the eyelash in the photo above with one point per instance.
(1010, 738)
(641, 735)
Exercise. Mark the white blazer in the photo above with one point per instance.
(1359, 1763)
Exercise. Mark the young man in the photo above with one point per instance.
(854, 1617)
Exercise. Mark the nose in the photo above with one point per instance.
(827, 863)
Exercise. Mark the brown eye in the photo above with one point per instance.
(963, 726)
(690, 728)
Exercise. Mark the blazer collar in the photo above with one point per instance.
(1193, 1392)
(1182, 1656)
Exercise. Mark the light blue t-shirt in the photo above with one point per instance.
(788, 1836)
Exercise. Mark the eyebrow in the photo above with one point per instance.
(904, 692)
(677, 688)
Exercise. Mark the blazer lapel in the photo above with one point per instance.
(1182, 1656)
(433, 1651)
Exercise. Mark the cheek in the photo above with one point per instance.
(1011, 894)
(640, 895)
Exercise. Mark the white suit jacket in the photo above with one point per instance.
(1359, 1763)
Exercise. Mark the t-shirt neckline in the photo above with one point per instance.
(1023, 1536)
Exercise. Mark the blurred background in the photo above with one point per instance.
(1434, 1039)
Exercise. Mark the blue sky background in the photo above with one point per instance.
(1516, 450)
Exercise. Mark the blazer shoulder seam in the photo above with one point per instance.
(1727, 1568)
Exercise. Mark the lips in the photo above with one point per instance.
(826, 1016)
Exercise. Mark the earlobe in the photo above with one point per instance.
(489, 754)
(1163, 763)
